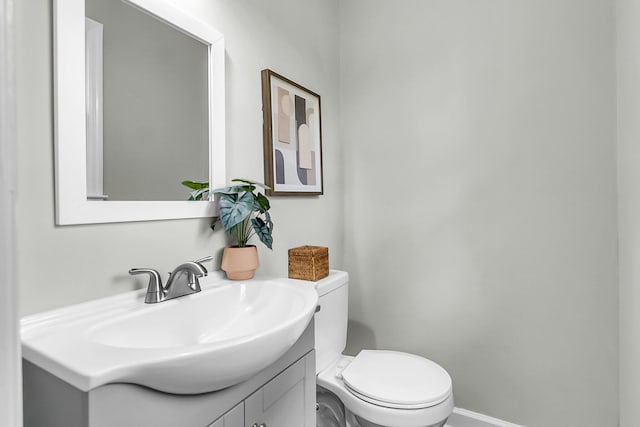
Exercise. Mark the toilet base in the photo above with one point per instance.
(332, 413)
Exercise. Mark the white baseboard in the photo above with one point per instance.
(463, 418)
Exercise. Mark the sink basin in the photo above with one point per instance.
(194, 344)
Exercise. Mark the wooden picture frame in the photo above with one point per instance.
(292, 131)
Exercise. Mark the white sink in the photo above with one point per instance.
(193, 344)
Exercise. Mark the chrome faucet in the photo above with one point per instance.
(183, 280)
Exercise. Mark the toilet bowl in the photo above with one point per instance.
(375, 402)
(376, 388)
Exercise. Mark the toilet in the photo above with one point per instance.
(376, 388)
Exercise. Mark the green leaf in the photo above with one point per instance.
(235, 208)
(263, 231)
(195, 185)
(267, 219)
(198, 194)
(228, 190)
(262, 203)
(250, 182)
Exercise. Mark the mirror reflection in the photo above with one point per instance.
(147, 106)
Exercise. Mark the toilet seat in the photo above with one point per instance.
(396, 380)
(377, 411)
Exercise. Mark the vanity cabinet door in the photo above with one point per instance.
(233, 418)
(288, 400)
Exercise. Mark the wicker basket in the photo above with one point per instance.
(308, 263)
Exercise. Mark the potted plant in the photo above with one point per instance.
(244, 212)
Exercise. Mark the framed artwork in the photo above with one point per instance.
(292, 137)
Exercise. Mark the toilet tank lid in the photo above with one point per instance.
(333, 281)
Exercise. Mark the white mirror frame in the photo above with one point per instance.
(72, 206)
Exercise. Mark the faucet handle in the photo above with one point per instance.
(155, 290)
(204, 259)
(192, 279)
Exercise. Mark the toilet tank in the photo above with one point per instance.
(331, 320)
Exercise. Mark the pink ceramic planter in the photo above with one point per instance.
(240, 263)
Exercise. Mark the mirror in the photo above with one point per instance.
(146, 86)
(139, 109)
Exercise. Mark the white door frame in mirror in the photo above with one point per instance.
(72, 205)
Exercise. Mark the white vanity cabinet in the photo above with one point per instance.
(281, 395)
(233, 418)
(288, 400)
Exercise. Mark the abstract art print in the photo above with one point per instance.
(292, 137)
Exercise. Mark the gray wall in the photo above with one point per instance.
(58, 266)
(156, 128)
(478, 219)
(480, 177)
(628, 34)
